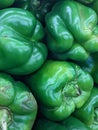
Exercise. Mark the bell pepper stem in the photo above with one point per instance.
(4, 125)
(5, 118)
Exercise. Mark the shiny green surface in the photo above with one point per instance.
(88, 113)
(71, 24)
(73, 123)
(18, 107)
(20, 42)
(60, 87)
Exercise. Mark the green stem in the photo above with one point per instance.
(71, 90)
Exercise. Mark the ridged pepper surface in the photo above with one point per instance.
(88, 113)
(18, 107)
(60, 87)
(21, 49)
(70, 28)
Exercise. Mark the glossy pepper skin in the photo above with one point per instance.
(88, 113)
(91, 3)
(6, 3)
(20, 42)
(60, 87)
(45, 124)
(18, 107)
(38, 7)
(70, 31)
(73, 123)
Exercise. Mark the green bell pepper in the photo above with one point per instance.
(18, 107)
(94, 6)
(60, 87)
(91, 66)
(6, 3)
(21, 49)
(88, 113)
(70, 28)
(72, 123)
(45, 124)
(91, 3)
(38, 7)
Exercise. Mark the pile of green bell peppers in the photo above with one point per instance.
(49, 65)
